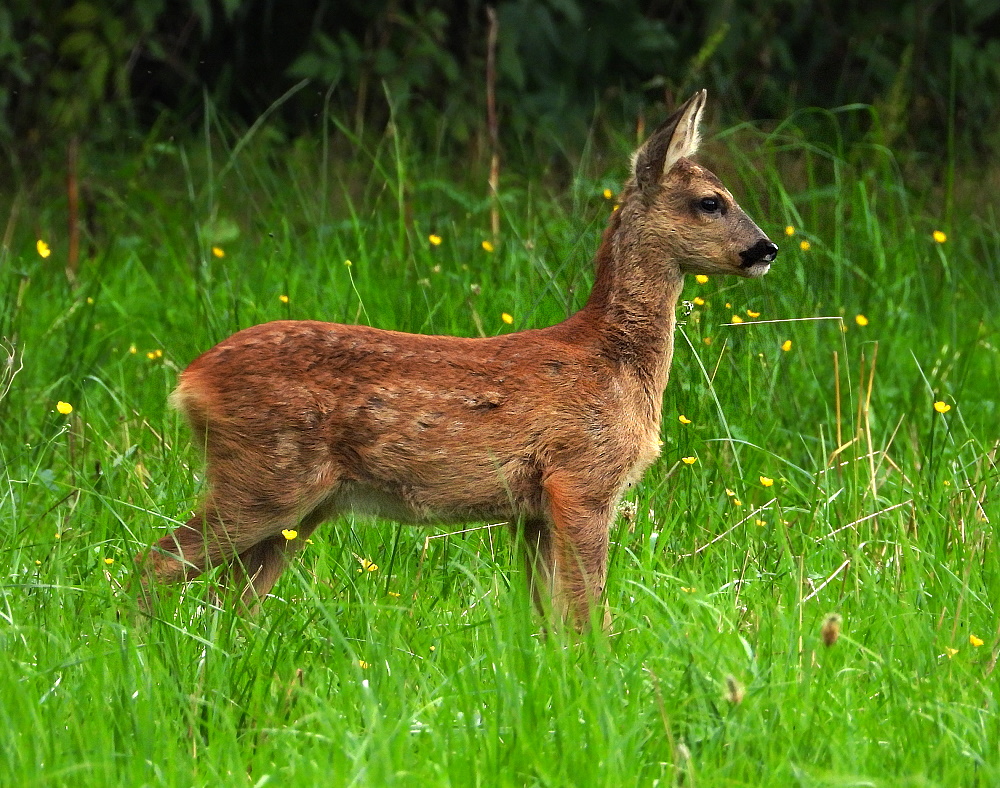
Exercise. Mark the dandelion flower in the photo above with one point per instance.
(937, 235)
(64, 408)
(289, 534)
(942, 407)
(487, 246)
(789, 231)
(786, 345)
(608, 194)
(689, 460)
(283, 298)
(752, 313)
(737, 319)
(683, 419)
(861, 320)
(507, 318)
(435, 240)
(218, 251)
(698, 301)
(767, 481)
(951, 652)
(701, 279)
(43, 249)
(976, 642)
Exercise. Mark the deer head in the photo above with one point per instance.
(688, 213)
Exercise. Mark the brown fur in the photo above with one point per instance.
(302, 420)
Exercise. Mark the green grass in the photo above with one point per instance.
(429, 670)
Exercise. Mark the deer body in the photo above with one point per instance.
(302, 420)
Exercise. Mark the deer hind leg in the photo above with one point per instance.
(579, 525)
(193, 548)
(234, 527)
(256, 569)
(536, 549)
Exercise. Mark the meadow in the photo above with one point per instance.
(804, 587)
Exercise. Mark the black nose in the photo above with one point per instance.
(761, 252)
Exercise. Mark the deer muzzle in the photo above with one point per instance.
(761, 253)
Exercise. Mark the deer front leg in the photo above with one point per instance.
(577, 547)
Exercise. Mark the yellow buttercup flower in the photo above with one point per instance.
(698, 301)
(976, 642)
(683, 419)
(64, 408)
(789, 231)
(608, 194)
(737, 319)
(937, 235)
(861, 320)
(805, 246)
(507, 318)
(283, 298)
(487, 246)
(766, 481)
(434, 239)
(942, 407)
(289, 534)
(700, 278)
(752, 313)
(43, 248)
(689, 460)
(109, 561)
(786, 345)
(951, 652)
(218, 251)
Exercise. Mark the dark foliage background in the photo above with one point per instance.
(564, 67)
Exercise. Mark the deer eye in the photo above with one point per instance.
(710, 205)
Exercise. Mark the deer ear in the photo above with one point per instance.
(677, 137)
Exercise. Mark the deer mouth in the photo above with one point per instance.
(758, 258)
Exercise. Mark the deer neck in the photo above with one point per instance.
(633, 304)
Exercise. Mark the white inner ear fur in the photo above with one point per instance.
(686, 138)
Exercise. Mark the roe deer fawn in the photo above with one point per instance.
(301, 420)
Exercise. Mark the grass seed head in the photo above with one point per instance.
(735, 691)
(831, 629)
